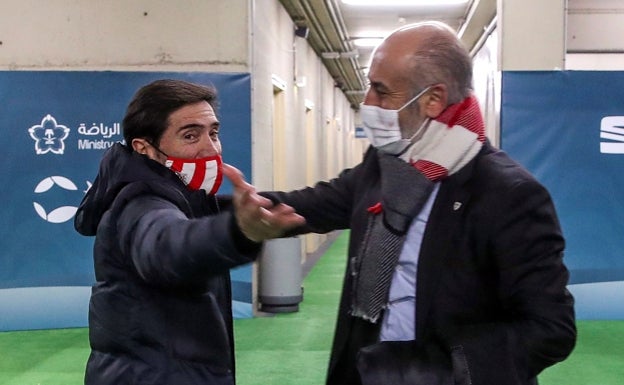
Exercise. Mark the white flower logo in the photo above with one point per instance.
(49, 136)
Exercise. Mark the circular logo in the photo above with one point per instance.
(60, 214)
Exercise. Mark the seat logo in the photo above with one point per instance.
(49, 136)
(612, 129)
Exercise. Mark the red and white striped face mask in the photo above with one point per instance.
(202, 173)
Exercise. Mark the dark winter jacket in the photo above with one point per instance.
(491, 282)
(160, 311)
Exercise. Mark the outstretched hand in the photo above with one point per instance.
(258, 218)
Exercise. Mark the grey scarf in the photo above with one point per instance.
(404, 192)
(448, 144)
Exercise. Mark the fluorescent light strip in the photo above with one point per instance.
(391, 3)
(367, 41)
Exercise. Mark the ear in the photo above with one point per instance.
(436, 100)
(140, 145)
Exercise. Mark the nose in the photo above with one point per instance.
(370, 98)
(210, 145)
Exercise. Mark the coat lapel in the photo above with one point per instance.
(443, 226)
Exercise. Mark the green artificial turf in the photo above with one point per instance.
(43, 357)
(291, 349)
(598, 358)
(294, 348)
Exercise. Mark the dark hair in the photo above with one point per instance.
(147, 115)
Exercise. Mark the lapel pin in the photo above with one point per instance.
(456, 206)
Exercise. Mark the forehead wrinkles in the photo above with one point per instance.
(399, 55)
(193, 112)
(392, 71)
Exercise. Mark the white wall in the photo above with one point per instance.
(162, 35)
(595, 61)
(487, 85)
(276, 51)
(271, 55)
(595, 32)
(318, 121)
(531, 34)
(595, 26)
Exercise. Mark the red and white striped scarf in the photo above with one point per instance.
(452, 139)
(448, 143)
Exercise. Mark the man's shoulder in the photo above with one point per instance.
(157, 189)
(493, 167)
(494, 159)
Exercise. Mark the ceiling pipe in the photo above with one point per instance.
(329, 22)
(358, 83)
(328, 37)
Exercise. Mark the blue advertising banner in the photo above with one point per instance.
(56, 126)
(567, 128)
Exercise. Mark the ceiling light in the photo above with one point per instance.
(389, 3)
(368, 41)
(340, 55)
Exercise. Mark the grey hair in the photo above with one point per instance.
(442, 58)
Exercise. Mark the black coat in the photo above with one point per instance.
(160, 311)
(491, 282)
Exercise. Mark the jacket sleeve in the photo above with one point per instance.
(169, 249)
(535, 326)
(329, 204)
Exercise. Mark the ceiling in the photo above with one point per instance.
(333, 27)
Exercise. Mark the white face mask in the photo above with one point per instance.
(203, 173)
(382, 127)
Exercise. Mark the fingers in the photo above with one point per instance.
(269, 223)
(256, 215)
(280, 219)
(244, 193)
(235, 176)
(249, 198)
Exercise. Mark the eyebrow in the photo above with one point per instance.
(379, 86)
(215, 124)
(189, 126)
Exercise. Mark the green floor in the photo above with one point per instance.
(291, 349)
